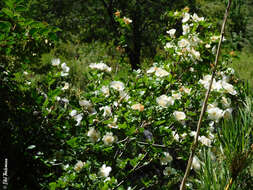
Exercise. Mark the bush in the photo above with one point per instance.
(137, 132)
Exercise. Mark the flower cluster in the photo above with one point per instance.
(100, 66)
(65, 68)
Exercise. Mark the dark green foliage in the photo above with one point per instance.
(94, 20)
(238, 31)
(22, 39)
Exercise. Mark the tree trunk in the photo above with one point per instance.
(135, 52)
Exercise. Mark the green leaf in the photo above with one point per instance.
(157, 123)
(37, 25)
(2, 36)
(21, 8)
(52, 186)
(72, 142)
(33, 31)
(8, 12)
(52, 36)
(9, 3)
(28, 22)
(5, 26)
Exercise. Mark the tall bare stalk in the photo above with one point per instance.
(195, 142)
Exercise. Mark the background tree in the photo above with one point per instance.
(94, 20)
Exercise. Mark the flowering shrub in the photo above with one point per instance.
(137, 132)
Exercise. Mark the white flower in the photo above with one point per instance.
(55, 62)
(123, 95)
(109, 139)
(217, 85)
(176, 96)
(105, 90)
(179, 115)
(230, 71)
(184, 135)
(227, 113)
(172, 32)
(226, 102)
(105, 171)
(196, 40)
(168, 171)
(127, 20)
(88, 106)
(186, 29)
(206, 78)
(214, 50)
(225, 78)
(114, 123)
(215, 113)
(28, 82)
(79, 165)
(193, 133)
(175, 136)
(186, 17)
(215, 38)
(196, 163)
(107, 111)
(207, 46)
(176, 13)
(168, 45)
(78, 118)
(195, 53)
(66, 86)
(213, 105)
(73, 113)
(195, 18)
(64, 74)
(25, 73)
(100, 66)
(166, 158)
(85, 103)
(183, 43)
(152, 69)
(58, 98)
(211, 135)
(65, 100)
(186, 90)
(205, 141)
(161, 72)
(206, 81)
(164, 101)
(229, 88)
(65, 70)
(117, 85)
(93, 135)
(138, 107)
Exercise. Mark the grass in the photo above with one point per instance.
(244, 66)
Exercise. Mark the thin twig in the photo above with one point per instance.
(133, 170)
(154, 145)
(195, 142)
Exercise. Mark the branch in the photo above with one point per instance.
(195, 142)
(132, 170)
(154, 145)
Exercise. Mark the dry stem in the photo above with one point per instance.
(195, 142)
